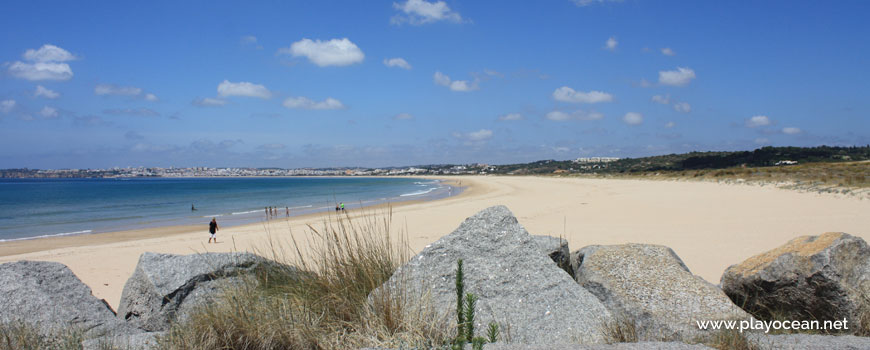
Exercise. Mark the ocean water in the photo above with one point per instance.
(34, 208)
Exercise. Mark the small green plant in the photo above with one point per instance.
(492, 332)
(477, 343)
(460, 302)
(470, 304)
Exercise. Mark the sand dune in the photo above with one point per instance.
(709, 225)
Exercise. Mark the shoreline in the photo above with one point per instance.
(41, 244)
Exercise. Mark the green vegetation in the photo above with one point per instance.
(465, 306)
(762, 157)
(460, 302)
(492, 332)
(318, 300)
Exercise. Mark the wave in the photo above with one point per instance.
(46, 236)
(248, 212)
(418, 193)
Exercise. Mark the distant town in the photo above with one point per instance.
(471, 169)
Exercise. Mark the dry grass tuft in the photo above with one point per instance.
(621, 329)
(21, 336)
(731, 340)
(320, 298)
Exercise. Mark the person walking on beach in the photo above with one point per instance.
(288, 211)
(342, 206)
(212, 229)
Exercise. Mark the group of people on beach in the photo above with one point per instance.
(272, 212)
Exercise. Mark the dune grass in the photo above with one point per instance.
(23, 336)
(318, 298)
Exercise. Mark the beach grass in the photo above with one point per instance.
(318, 299)
(23, 336)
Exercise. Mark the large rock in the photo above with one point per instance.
(650, 287)
(558, 251)
(139, 341)
(50, 296)
(824, 277)
(520, 288)
(166, 287)
(808, 342)
(616, 346)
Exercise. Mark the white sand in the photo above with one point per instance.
(710, 226)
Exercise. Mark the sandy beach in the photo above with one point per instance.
(709, 225)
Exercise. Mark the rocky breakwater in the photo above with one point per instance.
(649, 287)
(49, 296)
(166, 287)
(825, 277)
(519, 287)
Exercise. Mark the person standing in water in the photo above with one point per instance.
(212, 230)
(288, 211)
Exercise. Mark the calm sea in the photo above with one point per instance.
(31, 208)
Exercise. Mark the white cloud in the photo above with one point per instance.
(48, 53)
(644, 83)
(6, 106)
(670, 125)
(403, 116)
(48, 112)
(110, 89)
(510, 116)
(791, 130)
(397, 62)
(40, 71)
(249, 39)
(455, 85)
(475, 136)
(42, 91)
(668, 52)
(567, 94)
(576, 115)
(680, 77)
(682, 107)
(417, 12)
(208, 101)
(762, 141)
(47, 64)
(151, 97)
(662, 99)
(335, 52)
(758, 120)
(611, 43)
(227, 88)
(139, 112)
(306, 103)
(632, 118)
(582, 3)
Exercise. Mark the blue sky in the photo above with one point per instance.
(380, 83)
